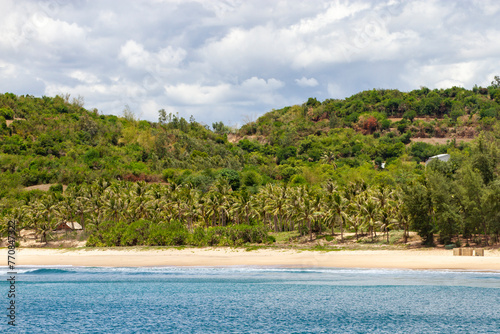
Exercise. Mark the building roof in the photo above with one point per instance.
(71, 225)
(443, 157)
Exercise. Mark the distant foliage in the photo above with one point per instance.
(178, 182)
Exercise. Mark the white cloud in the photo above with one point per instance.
(335, 91)
(442, 75)
(257, 84)
(137, 57)
(224, 59)
(149, 109)
(304, 82)
(7, 70)
(52, 31)
(196, 94)
(134, 54)
(336, 12)
(85, 77)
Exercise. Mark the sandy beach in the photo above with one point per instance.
(136, 257)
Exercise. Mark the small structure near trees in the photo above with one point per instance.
(72, 226)
(442, 157)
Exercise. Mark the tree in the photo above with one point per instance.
(471, 196)
(220, 128)
(370, 210)
(45, 214)
(418, 204)
(336, 206)
(496, 82)
(232, 176)
(285, 153)
(312, 102)
(445, 210)
(306, 211)
(410, 115)
(162, 116)
(384, 197)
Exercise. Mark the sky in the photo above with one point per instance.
(232, 60)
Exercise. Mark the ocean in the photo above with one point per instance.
(69, 299)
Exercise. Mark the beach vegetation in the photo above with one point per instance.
(331, 171)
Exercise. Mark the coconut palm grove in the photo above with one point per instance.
(355, 170)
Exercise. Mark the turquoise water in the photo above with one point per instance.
(252, 300)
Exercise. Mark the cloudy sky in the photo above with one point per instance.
(232, 60)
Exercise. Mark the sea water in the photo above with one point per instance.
(251, 300)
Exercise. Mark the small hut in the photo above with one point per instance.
(71, 226)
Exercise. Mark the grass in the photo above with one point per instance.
(253, 247)
(285, 237)
(293, 241)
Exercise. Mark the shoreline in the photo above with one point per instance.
(427, 259)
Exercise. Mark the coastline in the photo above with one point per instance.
(422, 259)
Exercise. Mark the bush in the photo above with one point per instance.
(173, 233)
(285, 153)
(287, 172)
(198, 237)
(7, 113)
(250, 178)
(232, 176)
(56, 188)
(410, 115)
(297, 180)
(385, 124)
(402, 126)
(136, 233)
(168, 174)
(249, 146)
(271, 239)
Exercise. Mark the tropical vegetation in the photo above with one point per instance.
(334, 167)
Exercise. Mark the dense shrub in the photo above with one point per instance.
(174, 233)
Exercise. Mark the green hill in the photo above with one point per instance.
(314, 155)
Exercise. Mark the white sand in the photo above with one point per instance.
(137, 257)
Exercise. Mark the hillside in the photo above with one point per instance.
(318, 164)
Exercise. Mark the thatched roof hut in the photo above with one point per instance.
(69, 226)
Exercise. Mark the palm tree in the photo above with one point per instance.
(223, 189)
(400, 215)
(275, 204)
(114, 205)
(243, 206)
(338, 205)
(292, 206)
(139, 201)
(155, 205)
(19, 214)
(309, 200)
(384, 196)
(204, 210)
(82, 205)
(189, 196)
(45, 216)
(329, 158)
(370, 210)
(354, 221)
(213, 207)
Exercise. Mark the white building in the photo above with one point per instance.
(443, 157)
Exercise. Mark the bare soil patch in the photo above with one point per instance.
(397, 119)
(10, 121)
(233, 138)
(43, 187)
(441, 141)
